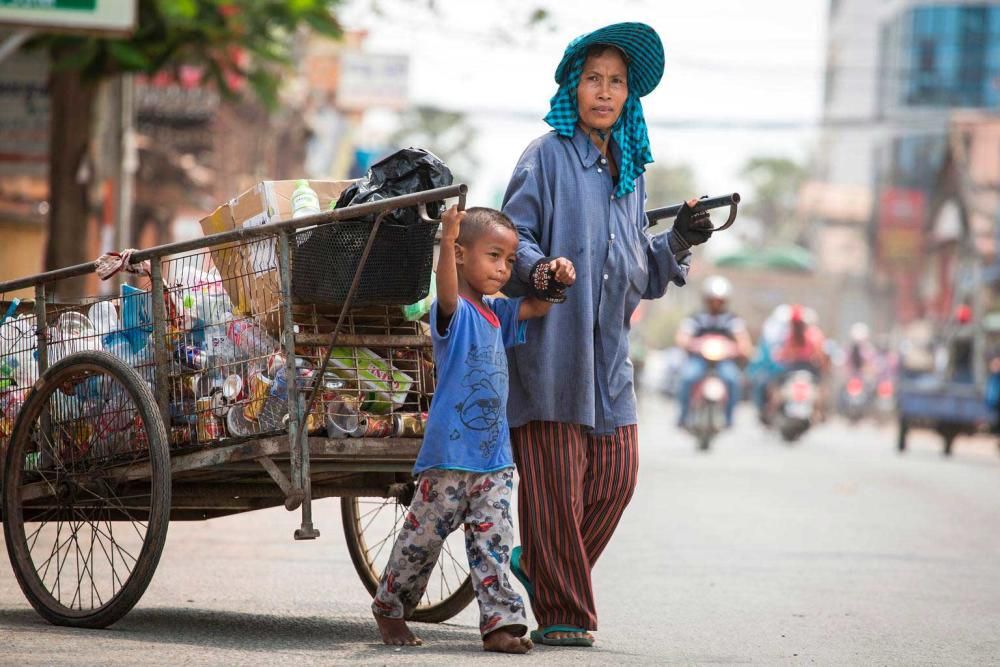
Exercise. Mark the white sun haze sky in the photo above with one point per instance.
(734, 69)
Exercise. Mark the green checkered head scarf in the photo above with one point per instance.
(629, 131)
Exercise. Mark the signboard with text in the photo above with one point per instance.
(371, 80)
(114, 16)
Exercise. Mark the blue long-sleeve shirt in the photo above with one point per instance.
(575, 366)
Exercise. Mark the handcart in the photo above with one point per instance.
(214, 387)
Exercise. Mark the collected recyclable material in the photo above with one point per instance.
(383, 387)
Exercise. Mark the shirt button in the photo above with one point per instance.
(605, 276)
(612, 237)
(604, 160)
(599, 170)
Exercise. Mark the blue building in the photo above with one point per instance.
(941, 56)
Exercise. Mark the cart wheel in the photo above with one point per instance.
(371, 526)
(901, 436)
(86, 494)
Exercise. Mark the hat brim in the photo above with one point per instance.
(639, 42)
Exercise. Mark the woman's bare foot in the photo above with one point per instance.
(395, 632)
(502, 641)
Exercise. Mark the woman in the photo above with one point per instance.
(579, 192)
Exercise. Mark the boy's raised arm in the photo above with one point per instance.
(447, 273)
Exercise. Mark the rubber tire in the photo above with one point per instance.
(437, 613)
(156, 533)
(901, 436)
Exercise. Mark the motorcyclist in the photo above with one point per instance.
(803, 349)
(861, 354)
(715, 318)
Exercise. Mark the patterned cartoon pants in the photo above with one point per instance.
(443, 502)
(574, 488)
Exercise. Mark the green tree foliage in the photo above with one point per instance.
(236, 43)
(775, 182)
(247, 41)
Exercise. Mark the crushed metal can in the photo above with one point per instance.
(410, 424)
(374, 426)
(260, 389)
(209, 427)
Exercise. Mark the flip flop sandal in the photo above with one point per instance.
(541, 636)
(515, 567)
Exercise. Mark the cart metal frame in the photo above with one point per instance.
(290, 469)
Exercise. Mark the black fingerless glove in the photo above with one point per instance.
(692, 227)
(544, 285)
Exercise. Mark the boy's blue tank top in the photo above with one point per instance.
(467, 424)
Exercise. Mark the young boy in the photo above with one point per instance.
(465, 467)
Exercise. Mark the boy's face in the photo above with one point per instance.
(486, 263)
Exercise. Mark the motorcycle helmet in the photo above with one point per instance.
(859, 332)
(716, 287)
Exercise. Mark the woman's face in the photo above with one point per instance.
(603, 90)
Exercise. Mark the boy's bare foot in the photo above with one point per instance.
(502, 641)
(395, 632)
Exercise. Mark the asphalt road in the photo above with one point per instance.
(834, 551)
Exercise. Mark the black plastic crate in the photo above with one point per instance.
(398, 269)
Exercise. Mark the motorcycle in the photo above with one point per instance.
(885, 400)
(706, 415)
(799, 395)
(854, 399)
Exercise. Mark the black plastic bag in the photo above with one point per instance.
(404, 172)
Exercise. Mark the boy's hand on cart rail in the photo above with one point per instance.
(450, 223)
(563, 270)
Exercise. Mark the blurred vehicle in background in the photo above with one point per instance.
(716, 340)
(707, 412)
(859, 370)
(797, 406)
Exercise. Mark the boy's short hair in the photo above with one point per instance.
(478, 219)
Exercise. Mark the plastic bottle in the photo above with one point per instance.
(104, 316)
(415, 311)
(305, 201)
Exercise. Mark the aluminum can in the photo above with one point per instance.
(410, 424)
(260, 389)
(191, 356)
(375, 426)
(209, 427)
(181, 436)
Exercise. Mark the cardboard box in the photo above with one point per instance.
(249, 270)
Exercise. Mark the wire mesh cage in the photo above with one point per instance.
(227, 375)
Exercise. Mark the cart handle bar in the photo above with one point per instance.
(657, 214)
(419, 199)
